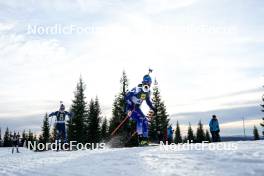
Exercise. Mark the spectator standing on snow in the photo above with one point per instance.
(15, 142)
(214, 129)
(170, 134)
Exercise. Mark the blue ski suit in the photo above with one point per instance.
(60, 124)
(214, 125)
(170, 133)
(134, 99)
(214, 129)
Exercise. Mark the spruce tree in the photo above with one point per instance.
(76, 124)
(104, 130)
(159, 122)
(116, 119)
(93, 121)
(0, 134)
(262, 105)
(18, 134)
(153, 134)
(1, 142)
(30, 136)
(185, 139)
(45, 130)
(178, 137)
(255, 133)
(207, 136)
(53, 135)
(7, 138)
(27, 137)
(262, 124)
(190, 135)
(200, 135)
(24, 138)
(119, 112)
(41, 139)
(35, 137)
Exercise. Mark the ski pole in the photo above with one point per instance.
(117, 128)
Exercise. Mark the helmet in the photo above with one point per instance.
(62, 107)
(147, 80)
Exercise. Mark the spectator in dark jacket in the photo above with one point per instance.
(214, 129)
(170, 134)
(15, 142)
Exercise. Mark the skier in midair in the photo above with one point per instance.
(134, 99)
(60, 122)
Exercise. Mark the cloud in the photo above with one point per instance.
(32, 122)
(249, 91)
(158, 6)
(28, 67)
(6, 26)
(224, 115)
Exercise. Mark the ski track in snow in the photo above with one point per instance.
(247, 160)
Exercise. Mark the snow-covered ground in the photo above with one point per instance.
(248, 159)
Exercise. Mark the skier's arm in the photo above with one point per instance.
(128, 97)
(129, 102)
(68, 113)
(53, 114)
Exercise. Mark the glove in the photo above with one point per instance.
(129, 113)
(151, 114)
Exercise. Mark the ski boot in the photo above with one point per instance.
(143, 141)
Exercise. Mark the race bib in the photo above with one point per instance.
(61, 117)
(143, 96)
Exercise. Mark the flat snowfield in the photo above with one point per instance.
(247, 159)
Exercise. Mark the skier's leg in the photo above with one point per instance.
(16, 143)
(218, 139)
(59, 134)
(144, 123)
(136, 117)
(169, 139)
(64, 137)
(17, 149)
(13, 146)
(145, 127)
(214, 136)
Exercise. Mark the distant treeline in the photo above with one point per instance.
(88, 125)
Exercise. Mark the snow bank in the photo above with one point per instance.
(248, 159)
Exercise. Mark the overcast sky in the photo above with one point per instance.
(206, 55)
